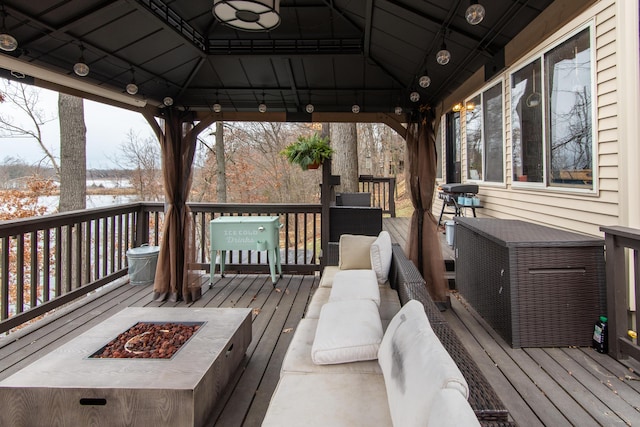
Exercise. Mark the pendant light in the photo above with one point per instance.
(132, 88)
(424, 81)
(475, 13)
(81, 68)
(443, 56)
(8, 43)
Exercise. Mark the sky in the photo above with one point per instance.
(107, 129)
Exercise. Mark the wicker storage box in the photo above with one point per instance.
(535, 285)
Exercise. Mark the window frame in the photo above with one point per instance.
(540, 54)
(498, 81)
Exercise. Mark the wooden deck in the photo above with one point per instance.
(550, 386)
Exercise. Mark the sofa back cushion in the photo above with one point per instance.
(415, 366)
(355, 252)
(380, 254)
(451, 409)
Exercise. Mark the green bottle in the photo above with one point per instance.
(600, 339)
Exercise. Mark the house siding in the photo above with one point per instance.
(574, 210)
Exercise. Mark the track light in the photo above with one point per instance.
(475, 13)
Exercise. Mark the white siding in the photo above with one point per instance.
(581, 211)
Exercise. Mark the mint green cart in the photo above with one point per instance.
(258, 233)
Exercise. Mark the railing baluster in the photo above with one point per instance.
(58, 261)
(20, 273)
(87, 252)
(35, 273)
(4, 313)
(46, 264)
(77, 250)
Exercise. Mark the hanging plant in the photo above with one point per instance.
(309, 152)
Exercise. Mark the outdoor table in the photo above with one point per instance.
(536, 286)
(246, 233)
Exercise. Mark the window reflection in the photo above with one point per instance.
(568, 85)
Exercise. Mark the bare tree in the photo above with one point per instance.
(142, 157)
(29, 123)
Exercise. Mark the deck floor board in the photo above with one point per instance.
(548, 386)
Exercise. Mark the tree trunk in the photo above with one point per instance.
(221, 181)
(344, 141)
(73, 182)
(73, 157)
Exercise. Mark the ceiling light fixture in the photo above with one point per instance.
(81, 68)
(217, 107)
(8, 43)
(248, 15)
(262, 107)
(309, 108)
(355, 108)
(475, 13)
(414, 96)
(443, 56)
(168, 101)
(132, 88)
(398, 110)
(424, 81)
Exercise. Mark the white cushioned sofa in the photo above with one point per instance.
(359, 358)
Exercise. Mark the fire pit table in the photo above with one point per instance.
(69, 387)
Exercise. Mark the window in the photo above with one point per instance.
(484, 131)
(551, 116)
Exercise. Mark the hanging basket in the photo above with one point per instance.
(314, 165)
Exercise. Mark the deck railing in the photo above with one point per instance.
(382, 191)
(48, 261)
(622, 244)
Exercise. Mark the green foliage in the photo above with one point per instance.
(308, 150)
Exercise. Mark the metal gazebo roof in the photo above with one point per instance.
(328, 53)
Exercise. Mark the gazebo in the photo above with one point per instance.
(194, 62)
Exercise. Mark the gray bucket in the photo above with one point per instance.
(449, 230)
(142, 264)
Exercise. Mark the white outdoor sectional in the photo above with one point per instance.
(359, 358)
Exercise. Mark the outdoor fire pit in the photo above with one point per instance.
(142, 367)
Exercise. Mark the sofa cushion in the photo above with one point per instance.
(328, 273)
(380, 254)
(320, 297)
(348, 331)
(298, 356)
(415, 366)
(451, 409)
(336, 400)
(347, 286)
(389, 303)
(354, 252)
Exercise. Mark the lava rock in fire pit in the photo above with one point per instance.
(148, 341)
